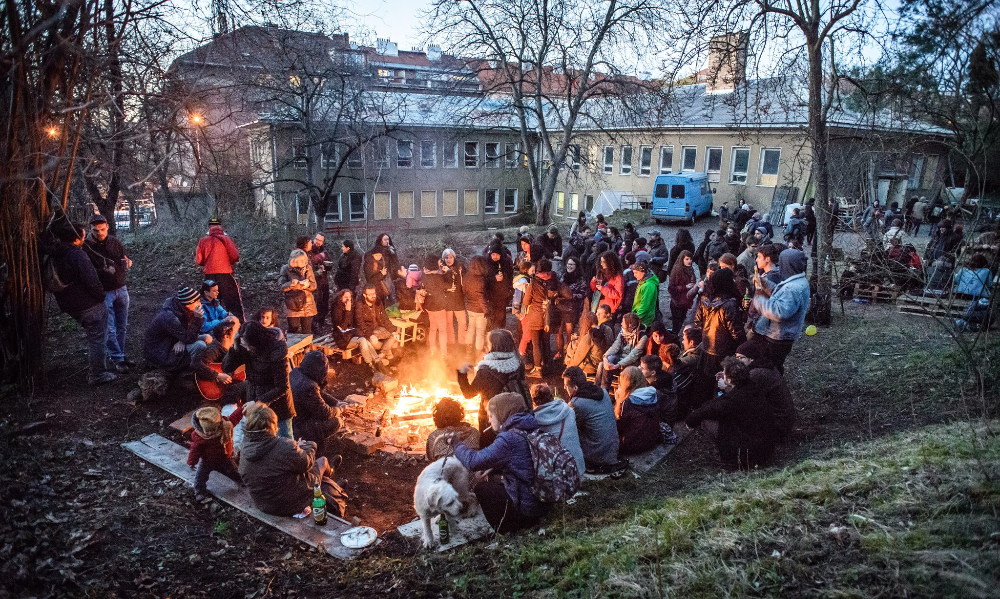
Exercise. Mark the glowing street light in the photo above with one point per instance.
(52, 132)
(195, 118)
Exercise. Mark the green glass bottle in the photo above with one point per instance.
(319, 506)
(444, 533)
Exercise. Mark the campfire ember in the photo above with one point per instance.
(409, 422)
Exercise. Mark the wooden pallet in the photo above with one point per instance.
(875, 293)
(941, 307)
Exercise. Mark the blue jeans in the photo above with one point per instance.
(117, 305)
(285, 429)
(94, 321)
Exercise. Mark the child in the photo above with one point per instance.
(212, 445)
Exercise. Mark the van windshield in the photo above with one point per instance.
(661, 190)
(677, 192)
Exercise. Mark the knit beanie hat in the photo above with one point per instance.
(213, 426)
(188, 296)
(523, 230)
(642, 256)
(641, 266)
(496, 247)
(751, 349)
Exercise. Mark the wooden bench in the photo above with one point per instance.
(944, 306)
(876, 293)
(298, 345)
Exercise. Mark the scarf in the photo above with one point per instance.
(502, 362)
(213, 426)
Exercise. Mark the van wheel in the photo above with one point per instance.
(690, 221)
(657, 221)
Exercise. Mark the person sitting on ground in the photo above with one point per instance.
(506, 495)
(595, 421)
(974, 279)
(281, 474)
(500, 371)
(345, 333)
(265, 358)
(372, 323)
(658, 336)
(656, 376)
(670, 364)
(223, 338)
(212, 445)
(449, 418)
(772, 386)
(638, 410)
(268, 317)
(317, 415)
(739, 421)
(555, 417)
(692, 385)
(587, 349)
(624, 352)
(212, 308)
(175, 333)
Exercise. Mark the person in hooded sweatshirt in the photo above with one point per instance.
(216, 255)
(175, 335)
(783, 310)
(647, 294)
(317, 416)
(595, 422)
(626, 350)
(555, 417)
(266, 360)
(638, 411)
(506, 495)
(500, 371)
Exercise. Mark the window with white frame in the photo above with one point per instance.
(574, 202)
(645, 160)
(300, 156)
(404, 204)
(574, 157)
(355, 158)
(509, 201)
(510, 155)
(689, 158)
(740, 166)
(560, 203)
(449, 202)
(449, 158)
(666, 159)
(329, 155)
(333, 214)
(470, 199)
(380, 153)
(770, 158)
(713, 163)
(491, 201)
(428, 154)
(404, 153)
(428, 203)
(471, 154)
(492, 154)
(358, 205)
(609, 159)
(625, 166)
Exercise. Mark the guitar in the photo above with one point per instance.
(212, 390)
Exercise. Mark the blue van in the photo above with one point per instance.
(681, 197)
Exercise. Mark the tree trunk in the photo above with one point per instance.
(825, 223)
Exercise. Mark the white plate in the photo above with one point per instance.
(358, 537)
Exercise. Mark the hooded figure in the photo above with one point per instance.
(212, 445)
(317, 416)
(174, 323)
(783, 314)
(266, 360)
(558, 419)
(639, 418)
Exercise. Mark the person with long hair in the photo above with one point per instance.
(572, 293)
(609, 280)
(682, 241)
(500, 370)
(701, 254)
(298, 283)
(454, 272)
(638, 411)
(682, 280)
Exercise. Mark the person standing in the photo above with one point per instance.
(112, 264)
(317, 259)
(647, 293)
(454, 273)
(477, 303)
(499, 284)
(266, 360)
(783, 311)
(435, 304)
(83, 298)
(298, 284)
(216, 254)
(348, 267)
(538, 301)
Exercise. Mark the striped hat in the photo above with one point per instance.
(188, 296)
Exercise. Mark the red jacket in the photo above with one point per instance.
(216, 252)
(211, 450)
(611, 292)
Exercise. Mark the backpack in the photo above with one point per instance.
(557, 477)
(50, 275)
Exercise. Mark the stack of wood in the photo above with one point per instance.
(327, 345)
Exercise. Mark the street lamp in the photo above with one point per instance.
(196, 119)
(52, 132)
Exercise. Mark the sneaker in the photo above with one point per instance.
(122, 368)
(535, 373)
(100, 379)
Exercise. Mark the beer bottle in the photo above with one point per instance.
(319, 506)
(443, 533)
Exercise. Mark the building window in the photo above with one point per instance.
(769, 160)
(574, 157)
(300, 157)
(560, 203)
(471, 154)
(666, 159)
(645, 160)
(574, 202)
(404, 204)
(740, 167)
(510, 155)
(625, 168)
(380, 153)
(428, 203)
(329, 155)
(471, 198)
(916, 172)
(450, 155)
(609, 159)
(492, 155)
(509, 201)
(449, 202)
(382, 207)
(590, 203)
(354, 160)
(404, 154)
(689, 157)
(428, 154)
(358, 205)
(333, 214)
(713, 163)
(492, 201)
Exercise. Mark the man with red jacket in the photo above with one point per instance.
(216, 255)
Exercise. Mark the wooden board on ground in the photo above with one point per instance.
(644, 462)
(944, 306)
(183, 423)
(469, 529)
(171, 457)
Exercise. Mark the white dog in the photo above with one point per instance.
(442, 489)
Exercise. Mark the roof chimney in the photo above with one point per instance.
(386, 48)
(727, 62)
(433, 52)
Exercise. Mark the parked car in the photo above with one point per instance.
(681, 197)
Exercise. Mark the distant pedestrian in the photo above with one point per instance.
(108, 255)
(216, 255)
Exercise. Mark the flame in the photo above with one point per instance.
(417, 400)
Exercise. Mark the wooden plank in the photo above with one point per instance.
(171, 457)
(183, 423)
(469, 529)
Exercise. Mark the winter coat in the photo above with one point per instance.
(559, 420)
(108, 257)
(316, 412)
(348, 270)
(216, 252)
(784, 313)
(454, 294)
(678, 288)
(778, 400)
(973, 282)
(214, 314)
(639, 423)
(475, 286)
(317, 259)
(267, 375)
(299, 274)
(675, 253)
(83, 285)
(747, 432)
(716, 248)
(721, 322)
(587, 350)
(212, 451)
(173, 323)
(611, 291)
(543, 288)
(658, 258)
(629, 286)
(500, 292)
(646, 298)
(496, 373)
(550, 246)
(572, 295)
(595, 421)
(343, 319)
(437, 292)
(510, 456)
(278, 474)
(625, 354)
(368, 318)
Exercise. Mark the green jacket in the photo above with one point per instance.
(644, 304)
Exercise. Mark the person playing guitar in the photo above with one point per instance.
(212, 382)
